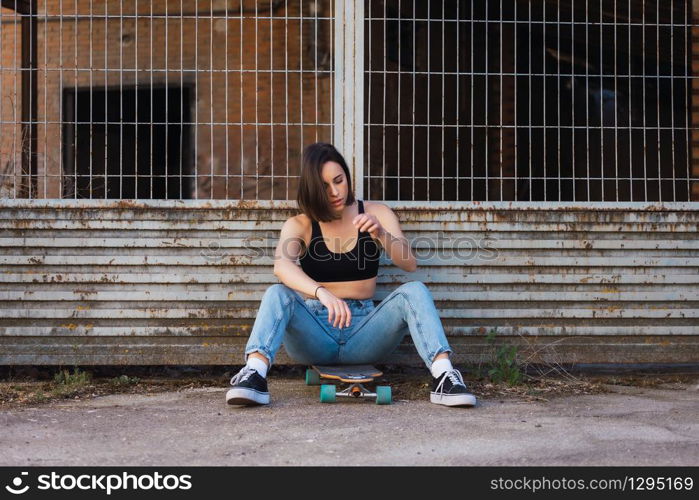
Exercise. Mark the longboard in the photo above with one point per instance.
(354, 375)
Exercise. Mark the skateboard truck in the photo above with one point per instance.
(356, 391)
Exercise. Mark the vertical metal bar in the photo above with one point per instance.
(300, 72)
(106, 100)
(616, 106)
(631, 198)
(473, 25)
(29, 94)
(558, 103)
(487, 104)
(136, 116)
(501, 181)
(572, 93)
(587, 96)
(333, 34)
(257, 117)
(369, 115)
(212, 164)
(182, 150)
(2, 116)
(601, 88)
(271, 93)
(286, 96)
(414, 71)
(687, 96)
(225, 74)
(543, 69)
(242, 129)
(398, 163)
(315, 64)
(657, 96)
(46, 86)
(75, 105)
(167, 104)
(458, 102)
(645, 148)
(529, 166)
(60, 104)
(429, 72)
(516, 123)
(357, 117)
(196, 102)
(383, 120)
(121, 100)
(152, 126)
(349, 87)
(90, 71)
(444, 75)
(339, 94)
(672, 95)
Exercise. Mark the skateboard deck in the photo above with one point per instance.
(354, 376)
(349, 373)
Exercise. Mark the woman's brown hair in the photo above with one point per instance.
(311, 196)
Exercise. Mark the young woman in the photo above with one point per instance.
(323, 310)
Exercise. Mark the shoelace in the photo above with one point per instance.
(242, 375)
(455, 378)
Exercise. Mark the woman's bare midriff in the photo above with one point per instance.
(358, 289)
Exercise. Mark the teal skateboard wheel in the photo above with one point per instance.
(312, 377)
(327, 393)
(383, 395)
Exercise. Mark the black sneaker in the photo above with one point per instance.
(449, 390)
(249, 388)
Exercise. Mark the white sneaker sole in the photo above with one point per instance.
(453, 399)
(241, 396)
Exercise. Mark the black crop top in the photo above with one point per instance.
(362, 262)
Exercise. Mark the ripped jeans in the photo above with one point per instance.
(374, 332)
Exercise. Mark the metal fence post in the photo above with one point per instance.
(349, 88)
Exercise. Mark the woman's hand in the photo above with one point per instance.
(338, 310)
(367, 223)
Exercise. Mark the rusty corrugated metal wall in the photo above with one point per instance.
(179, 282)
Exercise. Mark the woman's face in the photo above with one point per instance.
(335, 182)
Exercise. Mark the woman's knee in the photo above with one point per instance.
(415, 288)
(279, 290)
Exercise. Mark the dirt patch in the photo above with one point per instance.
(32, 385)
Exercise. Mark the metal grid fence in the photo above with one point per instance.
(521, 100)
(513, 100)
(162, 99)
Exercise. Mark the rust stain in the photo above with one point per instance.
(82, 308)
(653, 341)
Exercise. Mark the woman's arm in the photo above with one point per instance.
(288, 250)
(391, 238)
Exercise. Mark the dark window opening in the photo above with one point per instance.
(127, 144)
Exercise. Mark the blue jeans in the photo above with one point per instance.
(374, 332)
